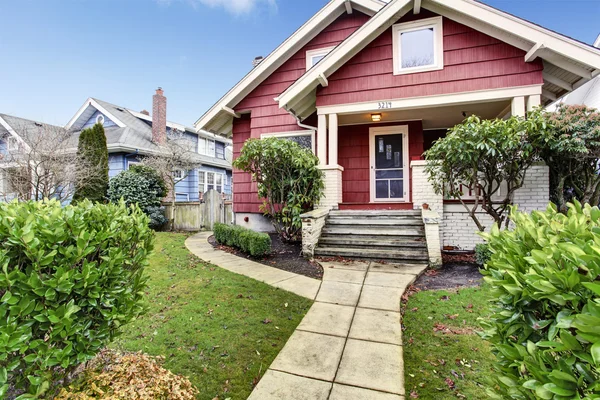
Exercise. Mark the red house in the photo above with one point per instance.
(369, 85)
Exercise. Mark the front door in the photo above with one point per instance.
(389, 164)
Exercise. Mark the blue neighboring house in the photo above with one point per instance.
(129, 136)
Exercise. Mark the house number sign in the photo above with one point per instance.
(382, 105)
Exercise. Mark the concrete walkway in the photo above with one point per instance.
(349, 344)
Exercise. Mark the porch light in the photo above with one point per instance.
(375, 117)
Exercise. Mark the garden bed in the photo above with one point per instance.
(284, 256)
(450, 276)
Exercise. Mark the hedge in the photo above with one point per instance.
(71, 277)
(545, 327)
(254, 243)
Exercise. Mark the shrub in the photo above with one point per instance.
(72, 276)
(93, 153)
(544, 328)
(140, 185)
(482, 253)
(131, 376)
(289, 181)
(254, 243)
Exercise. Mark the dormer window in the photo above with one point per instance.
(314, 56)
(418, 46)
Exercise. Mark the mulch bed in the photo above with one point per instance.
(456, 271)
(285, 256)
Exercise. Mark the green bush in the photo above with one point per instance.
(254, 243)
(482, 253)
(72, 276)
(545, 328)
(140, 185)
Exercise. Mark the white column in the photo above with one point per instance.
(333, 140)
(518, 106)
(533, 102)
(322, 139)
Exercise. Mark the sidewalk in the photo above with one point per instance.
(349, 344)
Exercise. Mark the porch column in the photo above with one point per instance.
(518, 106)
(533, 102)
(333, 140)
(332, 194)
(322, 140)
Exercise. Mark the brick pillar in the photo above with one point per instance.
(422, 189)
(535, 192)
(159, 117)
(332, 195)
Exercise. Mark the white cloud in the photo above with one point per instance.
(236, 7)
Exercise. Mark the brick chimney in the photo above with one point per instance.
(159, 117)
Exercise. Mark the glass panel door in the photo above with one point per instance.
(389, 167)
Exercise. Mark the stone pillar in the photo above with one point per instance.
(322, 140)
(422, 189)
(332, 195)
(312, 225)
(432, 221)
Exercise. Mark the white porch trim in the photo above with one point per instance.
(433, 101)
(389, 130)
(93, 103)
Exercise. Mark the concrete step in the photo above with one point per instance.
(375, 221)
(376, 213)
(363, 241)
(373, 231)
(403, 255)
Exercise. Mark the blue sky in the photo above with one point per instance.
(56, 53)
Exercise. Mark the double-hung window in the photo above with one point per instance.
(206, 147)
(210, 181)
(201, 182)
(418, 46)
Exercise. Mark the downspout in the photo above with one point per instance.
(300, 124)
(129, 155)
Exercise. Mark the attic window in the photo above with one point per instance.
(418, 46)
(314, 56)
(100, 119)
(12, 143)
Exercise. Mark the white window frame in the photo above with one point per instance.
(310, 54)
(207, 147)
(12, 143)
(293, 133)
(178, 174)
(214, 185)
(100, 119)
(438, 44)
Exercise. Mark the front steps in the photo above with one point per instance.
(393, 236)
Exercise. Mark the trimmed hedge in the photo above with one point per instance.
(254, 243)
(71, 277)
(545, 327)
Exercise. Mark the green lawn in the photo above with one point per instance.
(220, 329)
(444, 358)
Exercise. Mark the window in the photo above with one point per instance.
(178, 174)
(220, 150)
(303, 138)
(100, 119)
(12, 143)
(314, 56)
(418, 46)
(206, 146)
(210, 180)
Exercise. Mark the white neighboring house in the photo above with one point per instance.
(587, 94)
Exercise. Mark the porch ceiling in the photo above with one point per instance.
(434, 118)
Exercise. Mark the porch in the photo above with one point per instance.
(371, 153)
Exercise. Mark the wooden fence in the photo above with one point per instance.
(195, 216)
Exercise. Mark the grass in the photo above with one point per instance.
(444, 357)
(220, 329)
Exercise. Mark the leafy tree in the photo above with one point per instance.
(489, 156)
(289, 181)
(142, 186)
(93, 153)
(571, 149)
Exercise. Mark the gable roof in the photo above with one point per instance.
(218, 118)
(568, 63)
(23, 129)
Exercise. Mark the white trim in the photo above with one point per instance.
(13, 133)
(549, 95)
(310, 54)
(231, 112)
(438, 44)
(348, 6)
(433, 101)
(93, 103)
(558, 82)
(307, 132)
(389, 130)
(534, 52)
(417, 7)
(329, 13)
(597, 42)
(100, 116)
(182, 194)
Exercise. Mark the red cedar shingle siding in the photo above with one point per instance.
(472, 61)
(353, 155)
(266, 116)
